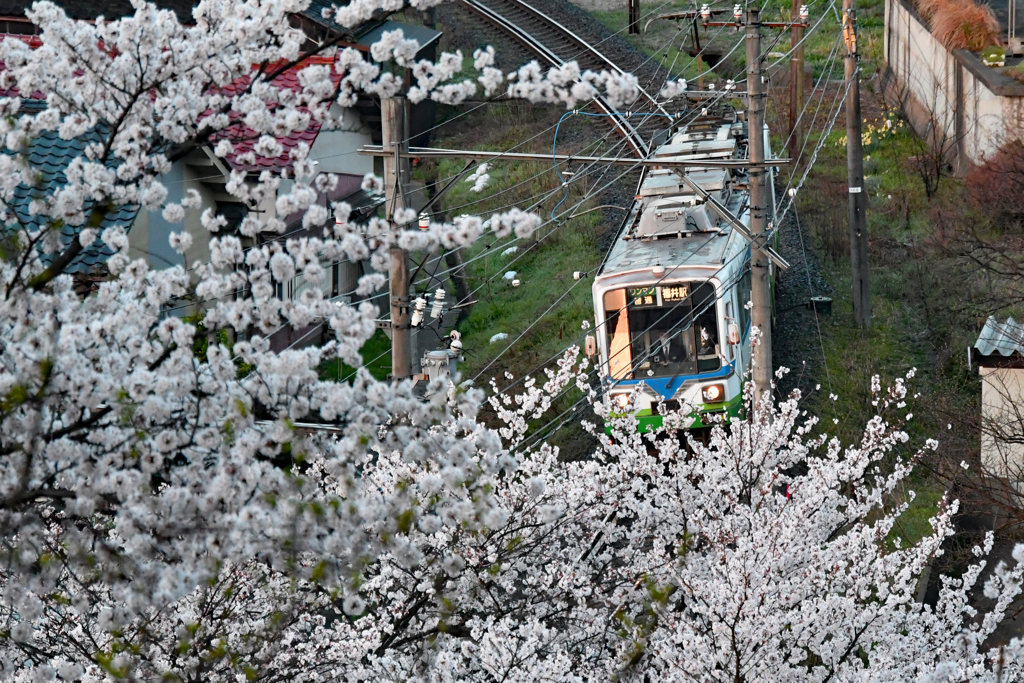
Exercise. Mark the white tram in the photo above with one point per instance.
(673, 326)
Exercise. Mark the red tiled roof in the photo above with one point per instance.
(244, 138)
(34, 42)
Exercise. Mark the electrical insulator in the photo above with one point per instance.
(424, 220)
(417, 314)
(705, 12)
(438, 308)
(456, 344)
(804, 13)
(515, 283)
(730, 84)
(578, 275)
(737, 12)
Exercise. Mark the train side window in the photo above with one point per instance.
(745, 283)
(728, 320)
(620, 360)
(706, 328)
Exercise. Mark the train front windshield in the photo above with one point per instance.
(662, 331)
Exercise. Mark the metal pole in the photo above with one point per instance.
(761, 287)
(392, 111)
(634, 15)
(855, 172)
(796, 83)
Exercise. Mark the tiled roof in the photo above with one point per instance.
(315, 11)
(421, 34)
(50, 156)
(244, 138)
(1004, 339)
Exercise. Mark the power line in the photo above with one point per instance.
(693, 316)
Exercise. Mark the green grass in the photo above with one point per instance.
(918, 307)
(544, 270)
(376, 353)
(549, 306)
(671, 42)
(915, 523)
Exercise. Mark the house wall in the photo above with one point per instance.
(950, 98)
(149, 236)
(335, 151)
(1002, 410)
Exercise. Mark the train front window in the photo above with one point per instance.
(662, 331)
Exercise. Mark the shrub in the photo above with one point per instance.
(997, 186)
(963, 24)
(928, 8)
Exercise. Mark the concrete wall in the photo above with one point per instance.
(1002, 412)
(950, 98)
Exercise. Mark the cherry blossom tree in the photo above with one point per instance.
(652, 559)
(161, 516)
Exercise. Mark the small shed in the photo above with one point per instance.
(999, 355)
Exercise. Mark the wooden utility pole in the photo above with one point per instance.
(855, 172)
(761, 287)
(796, 82)
(392, 112)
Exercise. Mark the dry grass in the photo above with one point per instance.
(961, 24)
(928, 8)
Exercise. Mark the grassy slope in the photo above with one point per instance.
(544, 271)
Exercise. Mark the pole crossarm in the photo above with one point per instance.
(667, 162)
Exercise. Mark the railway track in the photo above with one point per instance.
(555, 44)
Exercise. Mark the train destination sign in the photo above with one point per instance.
(658, 296)
(675, 292)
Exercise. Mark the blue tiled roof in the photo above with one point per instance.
(49, 156)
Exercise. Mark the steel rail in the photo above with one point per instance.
(586, 48)
(633, 137)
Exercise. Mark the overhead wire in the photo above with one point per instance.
(496, 98)
(498, 156)
(572, 408)
(723, 94)
(478, 374)
(694, 316)
(570, 288)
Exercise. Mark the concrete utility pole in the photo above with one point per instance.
(761, 292)
(392, 112)
(855, 173)
(796, 84)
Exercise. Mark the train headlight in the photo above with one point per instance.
(713, 393)
(621, 401)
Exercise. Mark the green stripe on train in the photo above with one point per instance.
(648, 422)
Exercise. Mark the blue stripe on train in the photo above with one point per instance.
(667, 386)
